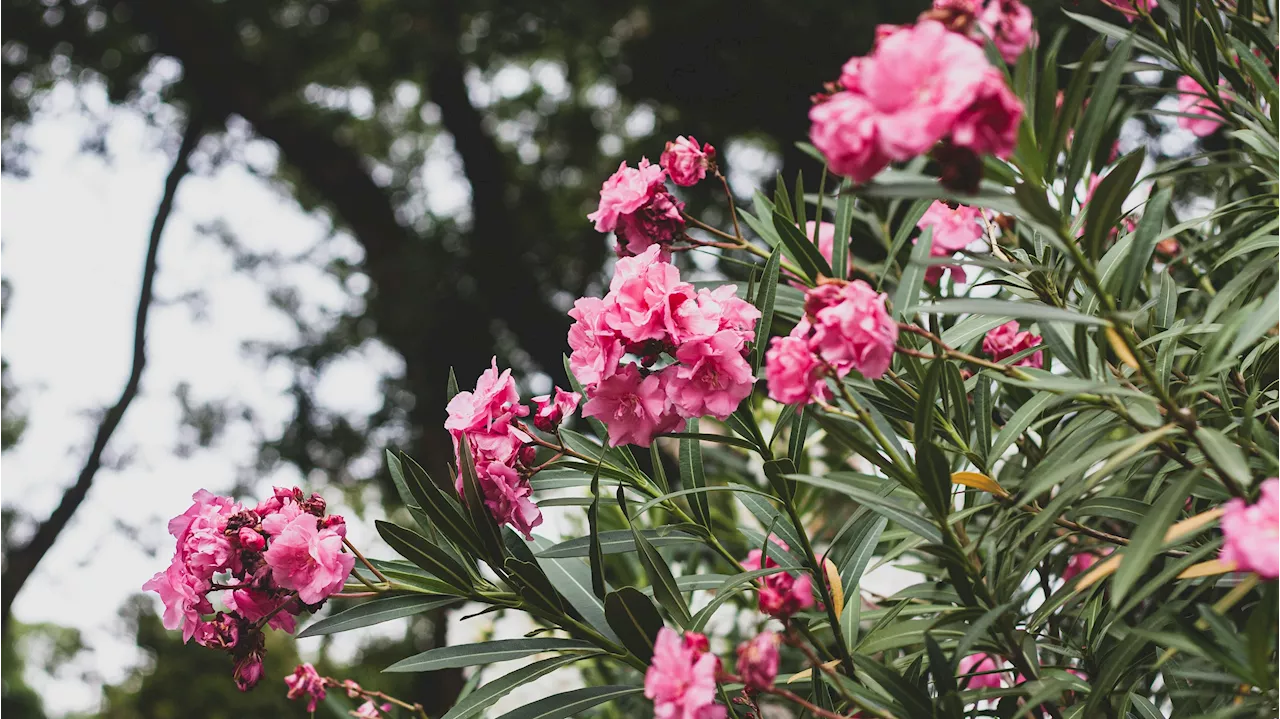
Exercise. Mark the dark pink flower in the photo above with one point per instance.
(686, 164)
(782, 595)
(507, 495)
(305, 681)
(1006, 341)
(1252, 532)
(221, 633)
(844, 129)
(758, 660)
(249, 670)
(794, 373)
(308, 559)
(255, 604)
(370, 710)
(1130, 8)
(1078, 564)
(982, 663)
(681, 679)
(250, 539)
(1198, 112)
(549, 412)
(856, 332)
(636, 205)
(1009, 25)
(712, 377)
(183, 595)
(635, 408)
(989, 124)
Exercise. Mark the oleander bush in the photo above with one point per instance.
(994, 344)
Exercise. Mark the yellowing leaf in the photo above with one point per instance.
(1191, 525)
(1100, 571)
(837, 587)
(1120, 348)
(805, 674)
(1182, 529)
(1207, 569)
(979, 481)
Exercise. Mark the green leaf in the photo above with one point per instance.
(443, 509)
(488, 694)
(765, 300)
(502, 650)
(909, 519)
(419, 550)
(375, 611)
(1107, 204)
(843, 226)
(727, 591)
(595, 555)
(1005, 308)
(1018, 423)
(692, 475)
(1101, 99)
(798, 247)
(573, 703)
(618, 541)
(913, 699)
(1144, 243)
(481, 519)
(665, 589)
(573, 579)
(1225, 454)
(634, 619)
(1148, 537)
(908, 293)
(451, 387)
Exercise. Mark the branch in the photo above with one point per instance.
(22, 562)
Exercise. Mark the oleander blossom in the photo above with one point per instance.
(267, 565)
(681, 679)
(852, 328)
(826, 240)
(991, 678)
(636, 205)
(793, 372)
(921, 84)
(758, 660)
(371, 710)
(305, 681)
(954, 229)
(686, 164)
(1006, 341)
(780, 595)
(1196, 109)
(1252, 532)
(1132, 9)
(654, 352)
(1009, 25)
(488, 418)
(1078, 564)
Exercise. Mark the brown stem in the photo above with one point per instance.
(365, 562)
(332, 683)
(22, 562)
(733, 211)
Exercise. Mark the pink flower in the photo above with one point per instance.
(634, 408)
(249, 670)
(597, 348)
(202, 544)
(1008, 24)
(221, 633)
(989, 125)
(758, 660)
(183, 595)
(624, 193)
(782, 595)
(507, 495)
(306, 681)
(251, 539)
(919, 80)
(953, 231)
(309, 560)
(550, 413)
(644, 292)
(712, 377)
(855, 332)
(733, 313)
(1129, 8)
(793, 372)
(681, 679)
(826, 240)
(1078, 564)
(254, 604)
(752, 562)
(1193, 101)
(1252, 532)
(275, 522)
(495, 401)
(685, 164)
(982, 663)
(1006, 341)
(636, 204)
(369, 710)
(844, 131)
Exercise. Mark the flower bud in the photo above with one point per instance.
(249, 670)
(251, 540)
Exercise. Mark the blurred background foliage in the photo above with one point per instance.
(381, 112)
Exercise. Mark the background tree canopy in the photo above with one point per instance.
(460, 145)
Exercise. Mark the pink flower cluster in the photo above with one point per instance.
(273, 562)
(1197, 112)
(305, 681)
(681, 679)
(686, 164)
(501, 448)
(846, 326)
(635, 203)
(1006, 341)
(780, 595)
(921, 84)
(688, 345)
(954, 229)
(758, 660)
(1252, 532)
